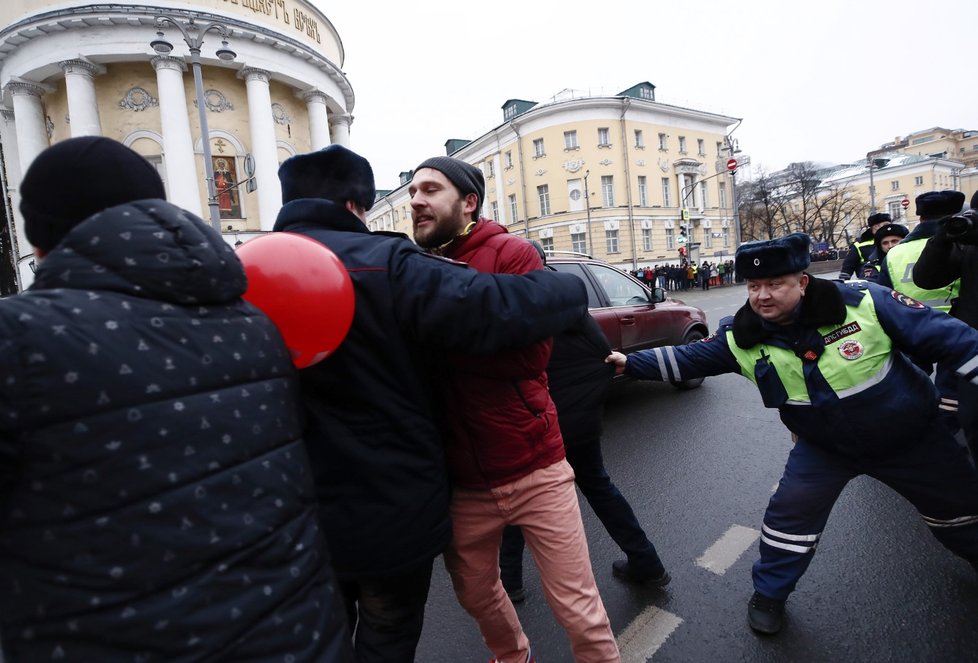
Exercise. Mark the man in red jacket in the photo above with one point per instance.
(505, 450)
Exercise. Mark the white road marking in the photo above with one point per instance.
(647, 632)
(721, 555)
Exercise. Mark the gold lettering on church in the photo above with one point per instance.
(280, 10)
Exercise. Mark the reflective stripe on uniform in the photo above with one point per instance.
(810, 539)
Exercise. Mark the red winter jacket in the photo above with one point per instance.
(503, 423)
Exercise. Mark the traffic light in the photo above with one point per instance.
(682, 231)
(682, 251)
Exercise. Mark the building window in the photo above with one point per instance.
(608, 190)
(895, 185)
(719, 147)
(919, 180)
(639, 139)
(670, 239)
(896, 210)
(643, 191)
(646, 239)
(723, 194)
(665, 192)
(682, 144)
(509, 159)
(490, 169)
(704, 198)
(708, 238)
(611, 240)
(538, 148)
(570, 140)
(726, 237)
(603, 140)
(543, 193)
(701, 147)
(663, 142)
(548, 244)
(494, 208)
(513, 216)
(578, 243)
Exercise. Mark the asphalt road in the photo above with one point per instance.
(698, 468)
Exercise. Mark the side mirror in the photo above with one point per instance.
(658, 295)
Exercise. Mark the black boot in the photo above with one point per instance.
(765, 615)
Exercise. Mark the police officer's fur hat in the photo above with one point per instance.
(938, 204)
(879, 217)
(333, 173)
(774, 257)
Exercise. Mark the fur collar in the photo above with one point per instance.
(822, 305)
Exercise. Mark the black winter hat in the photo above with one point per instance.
(879, 217)
(334, 173)
(773, 257)
(890, 230)
(76, 178)
(466, 177)
(938, 204)
(974, 200)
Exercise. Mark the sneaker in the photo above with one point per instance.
(622, 569)
(765, 615)
(517, 595)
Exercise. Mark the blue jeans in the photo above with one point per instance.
(608, 504)
(387, 614)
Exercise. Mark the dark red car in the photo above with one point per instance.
(632, 316)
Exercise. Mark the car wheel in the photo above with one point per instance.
(691, 337)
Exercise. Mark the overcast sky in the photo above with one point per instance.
(813, 81)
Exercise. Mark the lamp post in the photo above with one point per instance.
(587, 206)
(193, 36)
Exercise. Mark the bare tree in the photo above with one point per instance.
(760, 204)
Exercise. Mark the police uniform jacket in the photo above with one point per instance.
(896, 270)
(841, 358)
(374, 406)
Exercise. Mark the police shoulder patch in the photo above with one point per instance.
(909, 302)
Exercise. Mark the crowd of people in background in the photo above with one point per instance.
(686, 276)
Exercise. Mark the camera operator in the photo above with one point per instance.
(951, 257)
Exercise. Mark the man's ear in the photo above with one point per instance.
(356, 210)
(470, 204)
(39, 253)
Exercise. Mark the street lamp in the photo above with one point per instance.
(193, 36)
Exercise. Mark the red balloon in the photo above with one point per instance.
(305, 290)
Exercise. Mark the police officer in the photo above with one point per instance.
(886, 238)
(861, 249)
(897, 269)
(825, 354)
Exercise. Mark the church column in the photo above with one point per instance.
(340, 125)
(318, 118)
(264, 147)
(82, 103)
(183, 184)
(29, 121)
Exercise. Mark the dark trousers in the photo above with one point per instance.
(933, 474)
(609, 505)
(386, 614)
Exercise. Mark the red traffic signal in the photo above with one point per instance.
(682, 251)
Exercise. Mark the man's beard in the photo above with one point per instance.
(443, 230)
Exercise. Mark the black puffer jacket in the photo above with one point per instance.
(155, 497)
(374, 409)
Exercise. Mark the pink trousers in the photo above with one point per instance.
(544, 504)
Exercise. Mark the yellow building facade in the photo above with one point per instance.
(75, 68)
(606, 176)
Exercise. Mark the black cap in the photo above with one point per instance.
(938, 204)
(466, 177)
(77, 178)
(879, 217)
(773, 257)
(333, 173)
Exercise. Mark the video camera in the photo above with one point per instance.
(962, 228)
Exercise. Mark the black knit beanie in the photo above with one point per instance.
(466, 178)
(76, 178)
